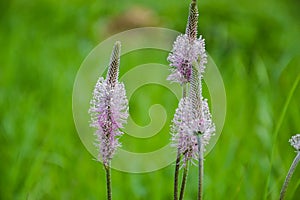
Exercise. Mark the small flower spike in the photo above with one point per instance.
(187, 49)
(192, 116)
(109, 109)
(295, 142)
(182, 134)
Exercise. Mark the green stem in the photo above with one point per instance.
(176, 175)
(200, 168)
(177, 165)
(280, 121)
(108, 181)
(289, 175)
(183, 183)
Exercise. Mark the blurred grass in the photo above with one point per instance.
(254, 43)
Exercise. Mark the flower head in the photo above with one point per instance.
(181, 131)
(192, 117)
(109, 109)
(295, 142)
(187, 50)
(184, 126)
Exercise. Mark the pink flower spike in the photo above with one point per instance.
(192, 117)
(109, 109)
(187, 50)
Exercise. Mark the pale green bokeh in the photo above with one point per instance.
(255, 45)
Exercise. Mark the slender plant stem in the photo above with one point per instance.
(183, 183)
(108, 181)
(200, 168)
(280, 121)
(176, 175)
(177, 165)
(289, 175)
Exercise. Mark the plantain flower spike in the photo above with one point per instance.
(187, 49)
(192, 116)
(109, 109)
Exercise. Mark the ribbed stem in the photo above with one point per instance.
(177, 165)
(178, 159)
(289, 175)
(183, 183)
(108, 181)
(200, 168)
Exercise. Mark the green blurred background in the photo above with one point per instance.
(255, 44)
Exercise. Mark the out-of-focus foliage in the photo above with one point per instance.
(255, 44)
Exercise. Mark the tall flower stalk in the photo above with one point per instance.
(187, 49)
(200, 167)
(192, 129)
(203, 127)
(109, 111)
(183, 182)
(178, 159)
(295, 142)
(188, 57)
